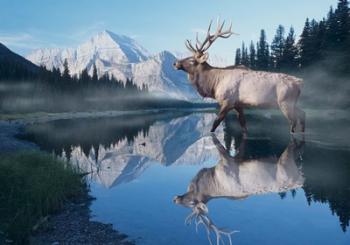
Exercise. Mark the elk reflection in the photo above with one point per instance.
(237, 177)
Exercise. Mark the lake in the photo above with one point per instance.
(152, 173)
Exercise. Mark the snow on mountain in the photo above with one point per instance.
(122, 57)
(161, 77)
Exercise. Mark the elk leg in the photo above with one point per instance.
(288, 112)
(301, 118)
(222, 113)
(241, 118)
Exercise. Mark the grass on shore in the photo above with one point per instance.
(33, 185)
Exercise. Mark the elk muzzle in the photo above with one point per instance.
(177, 65)
(177, 199)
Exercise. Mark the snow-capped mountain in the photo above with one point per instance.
(122, 57)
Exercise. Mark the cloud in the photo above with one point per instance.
(17, 40)
(31, 39)
(23, 40)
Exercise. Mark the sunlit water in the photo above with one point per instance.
(268, 187)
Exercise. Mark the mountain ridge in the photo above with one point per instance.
(123, 58)
(8, 56)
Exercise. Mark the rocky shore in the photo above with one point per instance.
(72, 224)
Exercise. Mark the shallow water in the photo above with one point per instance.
(270, 188)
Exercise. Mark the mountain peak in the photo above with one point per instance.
(108, 33)
(122, 57)
(129, 50)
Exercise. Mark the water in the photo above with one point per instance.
(149, 172)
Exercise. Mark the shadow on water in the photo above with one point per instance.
(117, 151)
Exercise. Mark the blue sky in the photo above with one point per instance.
(156, 24)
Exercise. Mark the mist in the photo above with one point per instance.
(325, 88)
(32, 96)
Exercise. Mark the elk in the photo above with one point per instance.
(238, 177)
(238, 87)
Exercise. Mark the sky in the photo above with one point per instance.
(156, 24)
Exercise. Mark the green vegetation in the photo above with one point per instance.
(33, 185)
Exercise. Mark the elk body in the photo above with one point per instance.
(238, 87)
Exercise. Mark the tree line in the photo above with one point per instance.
(325, 43)
(27, 88)
(62, 81)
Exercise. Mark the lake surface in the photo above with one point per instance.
(151, 172)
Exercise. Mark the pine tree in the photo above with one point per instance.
(343, 21)
(65, 74)
(238, 57)
(342, 36)
(263, 53)
(252, 56)
(329, 40)
(94, 74)
(245, 56)
(277, 48)
(84, 76)
(305, 45)
(288, 59)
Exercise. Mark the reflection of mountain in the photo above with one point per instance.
(90, 133)
(179, 141)
(110, 168)
(117, 150)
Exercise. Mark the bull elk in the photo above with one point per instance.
(238, 87)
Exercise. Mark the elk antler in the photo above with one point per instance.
(199, 215)
(201, 47)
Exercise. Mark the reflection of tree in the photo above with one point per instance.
(327, 180)
(90, 133)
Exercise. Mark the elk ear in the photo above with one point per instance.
(203, 58)
(191, 187)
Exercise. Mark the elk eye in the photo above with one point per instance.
(191, 203)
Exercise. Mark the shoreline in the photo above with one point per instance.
(71, 224)
(48, 116)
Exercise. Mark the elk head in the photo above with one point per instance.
(199, 54)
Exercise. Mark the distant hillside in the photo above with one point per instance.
(13, 65)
